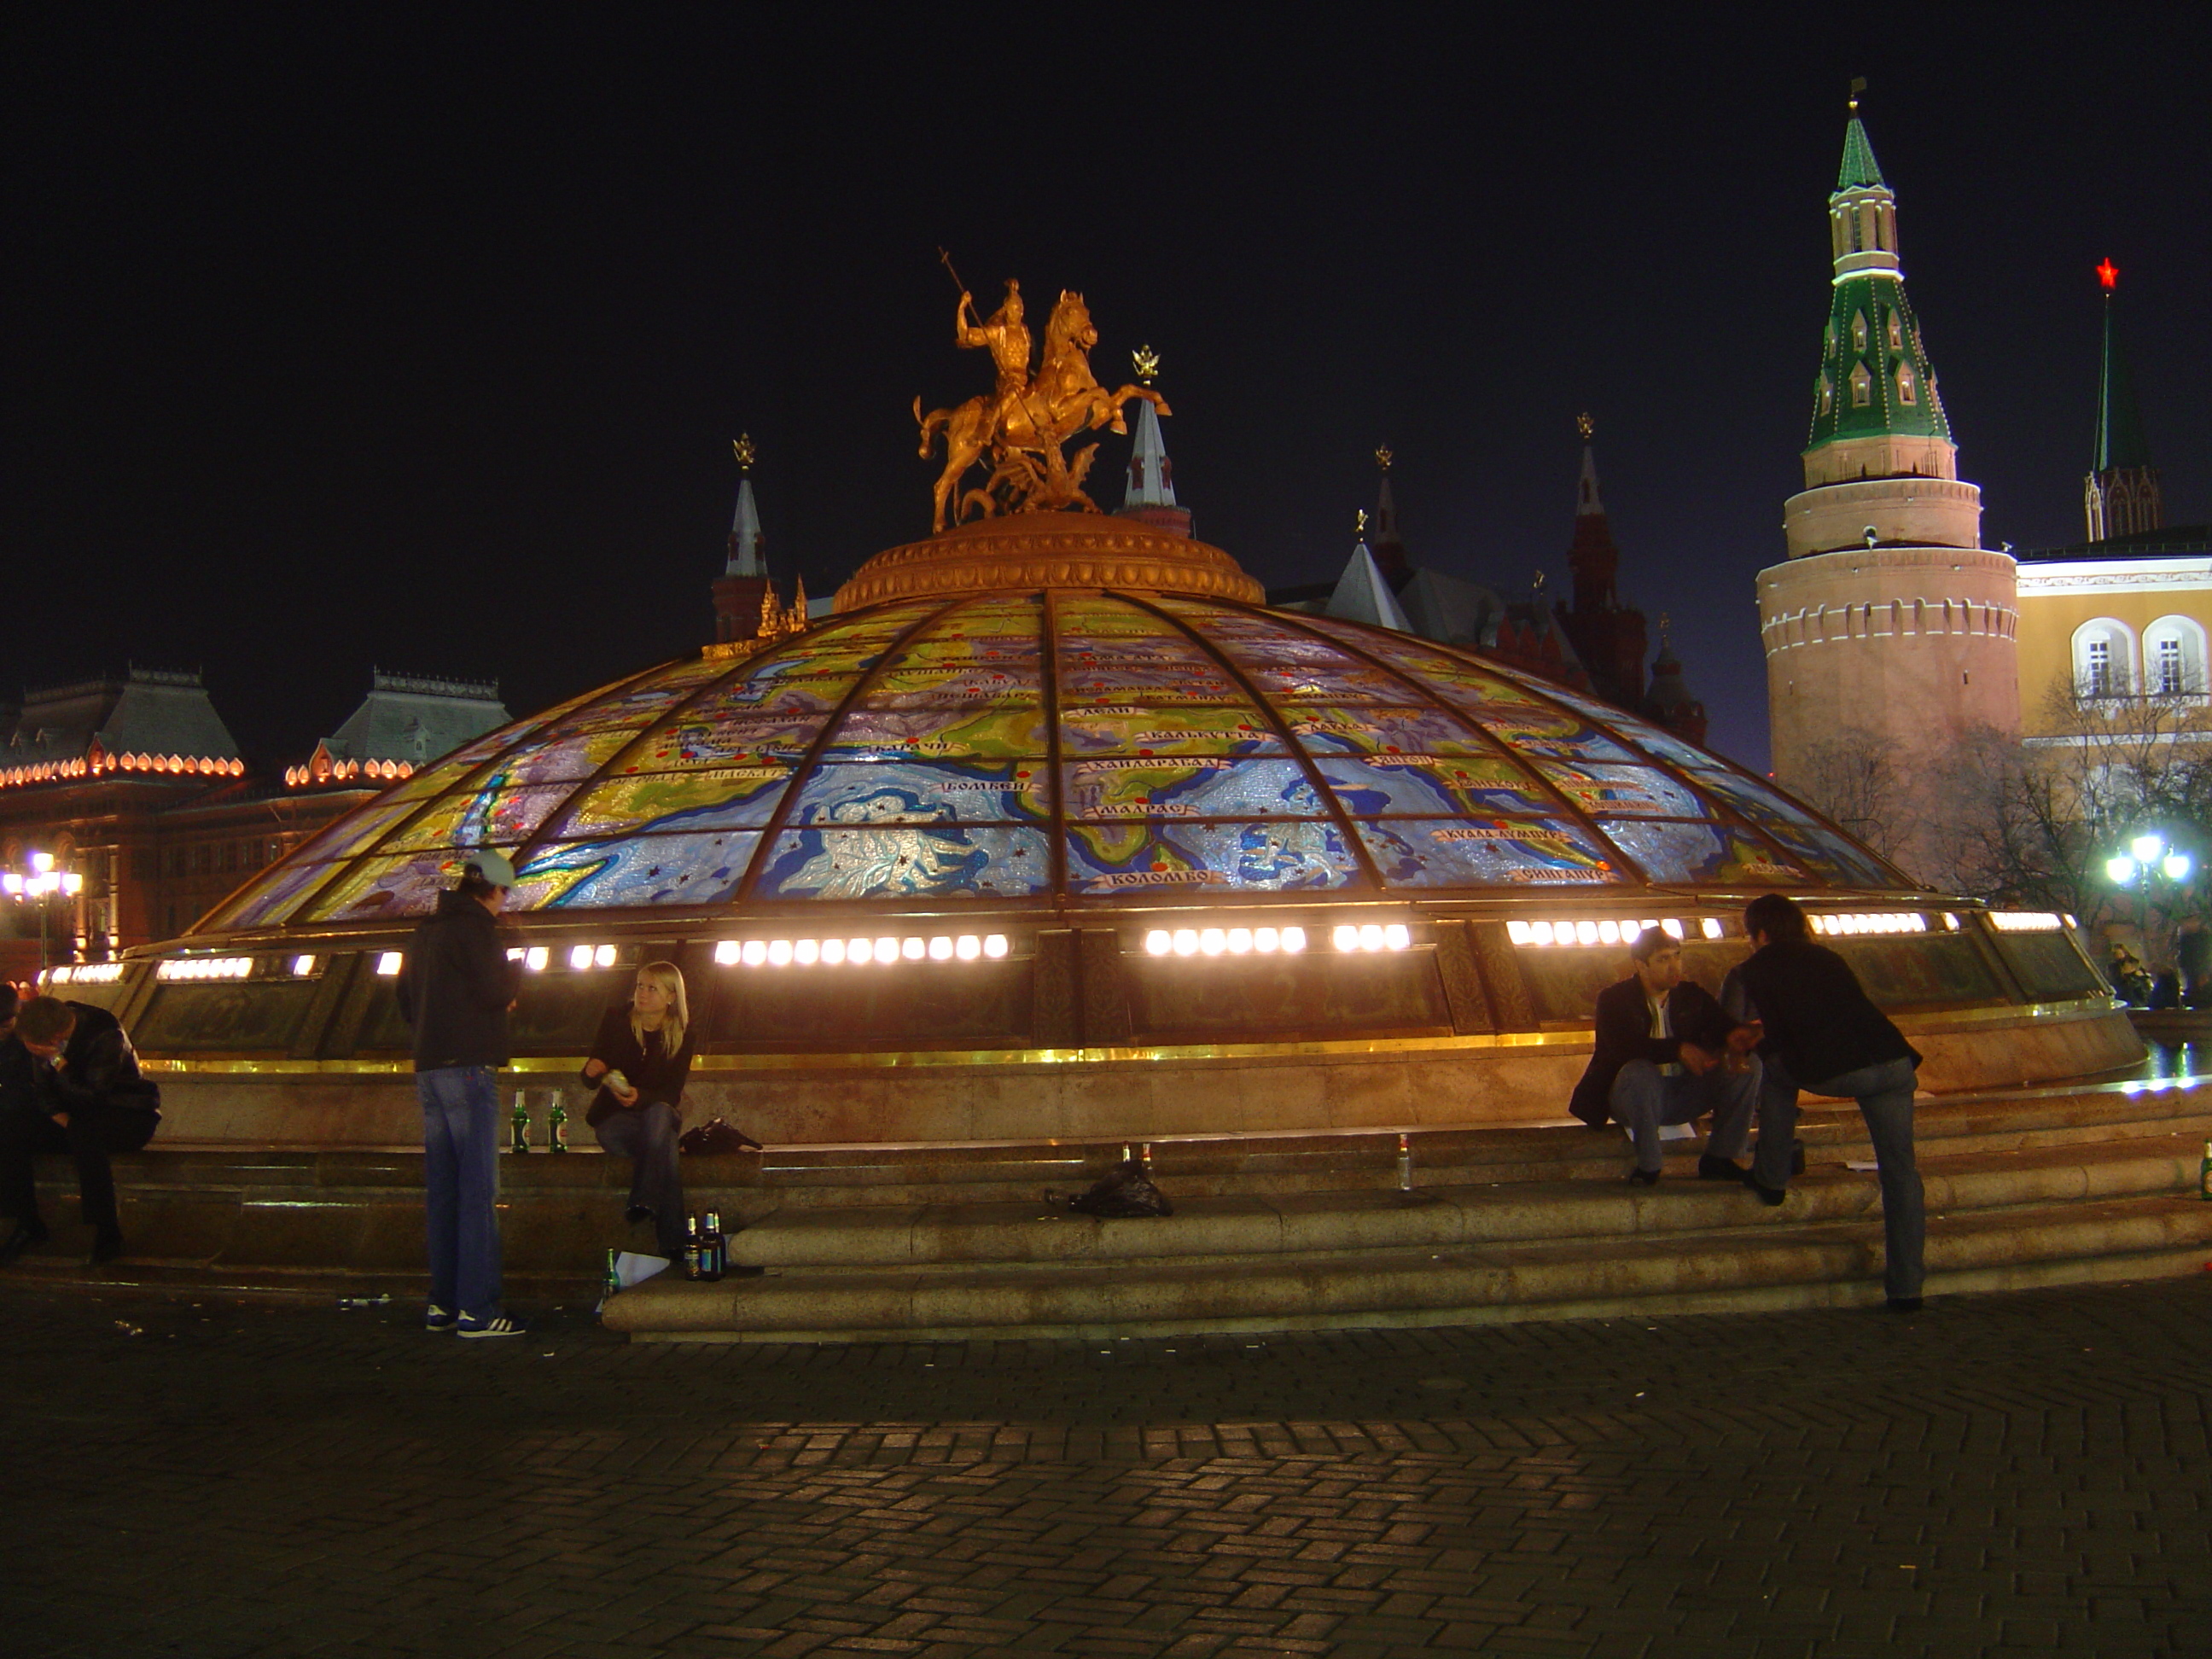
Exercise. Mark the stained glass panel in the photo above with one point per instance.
(1422, 786)
(1673, 852)
(1468, 851)
(611, 873)
(1642, 791)
(1189, 786)
(709, 798)
(893, 860)
(1134, 731)
(926, 792)
(1285, 856)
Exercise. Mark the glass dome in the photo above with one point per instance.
(1069, 744)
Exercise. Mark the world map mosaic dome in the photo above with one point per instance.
(1056, 745)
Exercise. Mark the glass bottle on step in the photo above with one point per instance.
(518, 1132)
(556, 1127)
(713, 1248)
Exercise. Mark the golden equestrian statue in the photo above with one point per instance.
(1021, 423)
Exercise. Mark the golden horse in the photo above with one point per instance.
(1025, 438)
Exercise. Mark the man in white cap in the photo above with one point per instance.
(457, 987)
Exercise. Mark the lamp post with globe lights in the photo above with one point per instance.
(38, 886)
(2148, 858)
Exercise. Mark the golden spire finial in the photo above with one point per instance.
(1858, 86)
(1665, 622)
(1383, 458)
(1147, 362)
(1584, 425)
(1359, 522)
(742, 446)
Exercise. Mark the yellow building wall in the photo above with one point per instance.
(2056, 599)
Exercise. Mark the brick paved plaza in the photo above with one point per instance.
(2000, 1475)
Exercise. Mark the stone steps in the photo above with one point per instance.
(1282, 1210)
(1719, 1270)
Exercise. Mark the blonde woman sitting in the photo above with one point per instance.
(640, 1060)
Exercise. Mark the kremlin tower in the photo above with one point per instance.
(2121, 495)
(1608, 636)
(1888, 624)
(1149, 494)
(742, 586)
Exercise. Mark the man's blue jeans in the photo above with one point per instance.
(1884, 1093)
(461, 1184)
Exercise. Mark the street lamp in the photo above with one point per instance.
(42, 884)
(2148, 856)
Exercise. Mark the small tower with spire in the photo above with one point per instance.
(2121, 495)
(1608, 636)
(1669, 701)
(1363, 593)
(1149, 494)
(743, 585)
(1389, 548)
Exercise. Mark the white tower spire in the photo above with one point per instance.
(1151, 476)
(746, 557)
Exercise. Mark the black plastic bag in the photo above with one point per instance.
(714, 1137)
(1123, 1192)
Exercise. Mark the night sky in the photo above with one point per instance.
(414, 337)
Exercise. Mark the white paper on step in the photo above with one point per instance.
(1666, 1131)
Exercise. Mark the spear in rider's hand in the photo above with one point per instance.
(954, 275)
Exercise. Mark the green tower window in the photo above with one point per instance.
(1896, 333)
(1858, 332)
(1861, 387)
(1828, 392)
(1905, 394)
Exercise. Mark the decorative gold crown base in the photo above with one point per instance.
(1050, 549)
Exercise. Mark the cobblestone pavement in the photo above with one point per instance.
(2000, 1475)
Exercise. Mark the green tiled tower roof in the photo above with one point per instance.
(1859, 169)
(1875, 380)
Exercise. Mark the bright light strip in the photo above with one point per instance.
(1212, 941)
(603, 957)
(1239, 941)
(85, 973)
(580, 956)
(1186, 941)
(387, 964)
(2027, 921)
(536, 958)
(1868, 923)
(1369, 936)
(221, 967)
(860, 952)
(1607, 930)
(302, 966)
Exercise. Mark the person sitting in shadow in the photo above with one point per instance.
(69, 1083)
(1666, 1053)
(638, 1064)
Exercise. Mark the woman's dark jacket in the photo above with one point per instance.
(1624, 1033)
(1820, 1024)
(654, 1072)
(457, 985)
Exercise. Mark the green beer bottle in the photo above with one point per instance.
(2204, 1173)
(556, 1127)
(517, 1135)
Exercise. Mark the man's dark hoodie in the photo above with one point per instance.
(456, 986)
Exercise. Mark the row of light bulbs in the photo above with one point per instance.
(1607, 930)
(1217, 941)
(2027, 922)
(1889, 921)
(211, 968)
(858, 952)
(85, 973)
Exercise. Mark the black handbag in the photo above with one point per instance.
(716, 1139)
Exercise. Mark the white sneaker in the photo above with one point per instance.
(435, 1318)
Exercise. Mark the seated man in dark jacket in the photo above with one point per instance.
(1666, 1053)
(69, 1083)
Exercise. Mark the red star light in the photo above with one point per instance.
(2109, 274)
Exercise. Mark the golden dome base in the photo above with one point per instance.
(1050, 549)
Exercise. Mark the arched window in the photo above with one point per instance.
(1861, 387)
(1858, 331)
(1896, 334)
(1906, 393)
(2103, 659)
(2174, 658)
(1828, 392)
